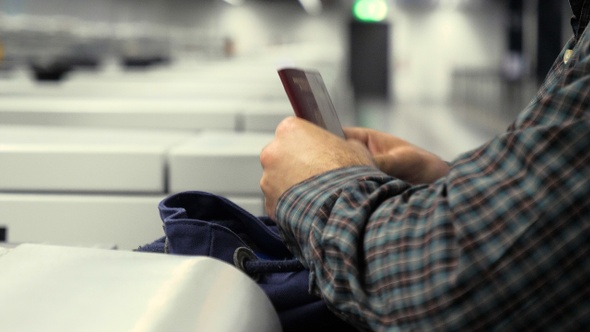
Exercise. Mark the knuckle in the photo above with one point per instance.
(266, 155)
(285, 125)
(262, 183)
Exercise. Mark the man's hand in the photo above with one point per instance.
(301, 150)
(399, 158)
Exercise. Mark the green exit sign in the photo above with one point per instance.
(370, 10)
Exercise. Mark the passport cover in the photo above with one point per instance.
(309, 98)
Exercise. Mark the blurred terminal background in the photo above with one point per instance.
(108, 106)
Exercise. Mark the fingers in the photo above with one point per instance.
(357, 133)
(267, 158)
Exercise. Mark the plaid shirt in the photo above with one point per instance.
(501, 243)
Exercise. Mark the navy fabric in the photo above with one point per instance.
(204, 224)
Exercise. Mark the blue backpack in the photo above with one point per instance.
(204, 224)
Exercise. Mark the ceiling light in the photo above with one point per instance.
(312, 7)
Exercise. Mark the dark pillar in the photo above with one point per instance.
(369, 59)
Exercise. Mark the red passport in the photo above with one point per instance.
(310, 99)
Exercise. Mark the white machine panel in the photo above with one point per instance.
(264, 117)
(228, 88)
(253, 204)
(189, 114)
(125, 222)
(219, 162)
(50, 288)
(84, 159)
(121, 221)
(184, 114)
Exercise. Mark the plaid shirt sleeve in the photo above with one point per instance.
(502, 242)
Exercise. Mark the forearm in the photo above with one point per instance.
(318, 197)
(359, 231)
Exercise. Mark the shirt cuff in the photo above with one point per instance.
(306, 205)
